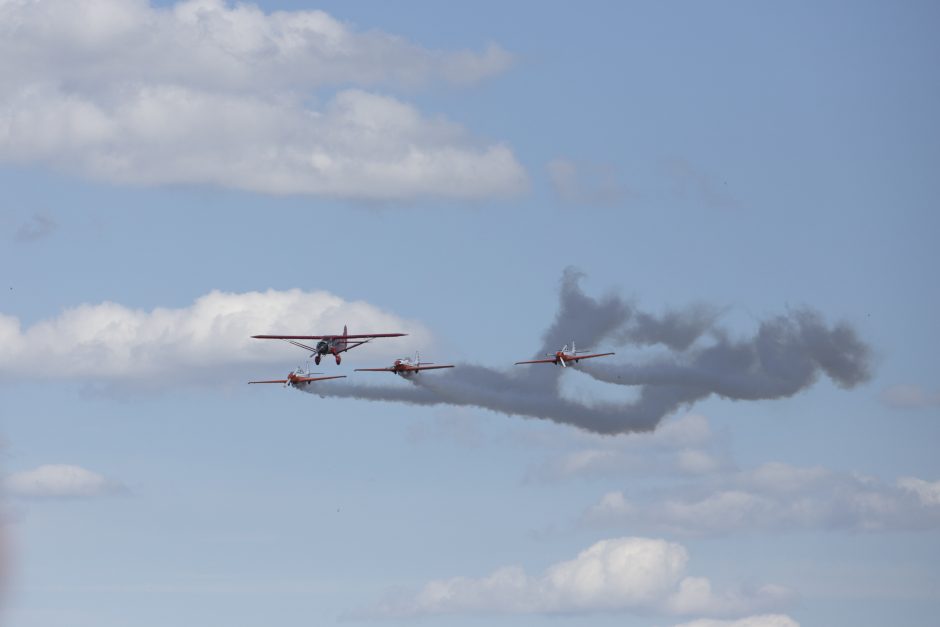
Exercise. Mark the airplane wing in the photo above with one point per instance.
(580, 357)
(327, 337)
(375, 370)
(429, 367)
(300, 379)
(351, 345)
(537, 361)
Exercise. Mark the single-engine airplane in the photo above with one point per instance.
(405, 367)
(329, 344)
(299, 377)
(563, 357)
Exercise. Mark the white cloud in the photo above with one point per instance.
(111, 342)
(762, 620)
(777, 496)
(218, 44)
(207, 93)
(59, 480)
(680, 445)
(909, 397)
(928, 492)
(622, 574)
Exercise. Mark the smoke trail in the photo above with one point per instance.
(532, 394)
(786, 355)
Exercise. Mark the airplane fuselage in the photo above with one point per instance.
(567, 357)
(333, 346)
(404, 367)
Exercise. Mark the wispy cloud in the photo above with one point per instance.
(905, 396)
(680, 446)
(762, 620)
(927, 491)
(694, 184)
(60, 481)
(590, 184)
(37, 227)
(775, 497)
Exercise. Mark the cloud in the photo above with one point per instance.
(60, 481)
(208, 93)
(928, 492)
(763, 620)
(787, 355)
(37, 227)
(586, 184)
(776, 497)
(909, 397)
(691, 183)
(618, 575)
(218, 44)
(207, 341)
(683, 445)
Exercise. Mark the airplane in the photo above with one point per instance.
(298, 377)
(329, 344)
(405, 367)
(563, 356)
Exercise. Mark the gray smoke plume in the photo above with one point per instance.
(786, 355)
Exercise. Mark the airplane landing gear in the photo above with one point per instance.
(316, 360)
(338, 360)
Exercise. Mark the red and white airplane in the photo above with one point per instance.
(405, 367)
(329, 344)
(299, 377)
(563, 357)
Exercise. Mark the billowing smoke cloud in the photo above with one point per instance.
(785, 356)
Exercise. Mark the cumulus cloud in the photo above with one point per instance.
(762, 620)
(777, 496)
(60, 481)
(618, 575)
(909, 397)
(786, 355)
(204, 341)
(205, 92)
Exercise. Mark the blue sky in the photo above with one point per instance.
(178, 177)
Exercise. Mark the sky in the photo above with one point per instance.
(737, 198)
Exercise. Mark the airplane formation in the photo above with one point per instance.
(404, 367)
